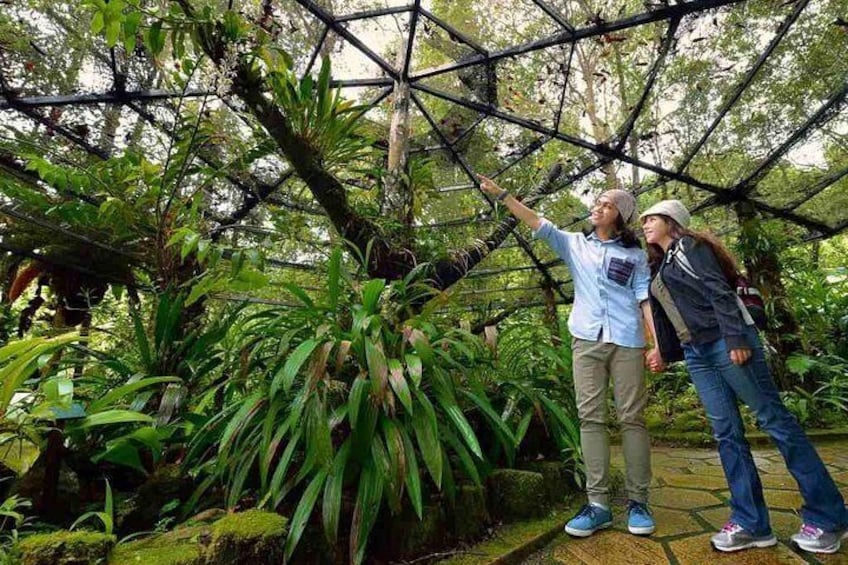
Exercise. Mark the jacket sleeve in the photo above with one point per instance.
(722, 297)
(559, 240)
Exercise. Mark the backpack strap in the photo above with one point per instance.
(679, 255)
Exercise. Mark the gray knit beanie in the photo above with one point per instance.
(624, 202)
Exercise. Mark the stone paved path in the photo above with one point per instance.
(689, 499)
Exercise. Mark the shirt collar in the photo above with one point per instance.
(593, 235)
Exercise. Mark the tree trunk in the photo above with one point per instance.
(763, 268)
(398, 190)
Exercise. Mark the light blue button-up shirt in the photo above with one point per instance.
(610, 281)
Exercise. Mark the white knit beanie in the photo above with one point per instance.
(674, 209)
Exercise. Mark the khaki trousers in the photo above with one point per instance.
(594, 363)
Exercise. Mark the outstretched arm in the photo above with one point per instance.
(519, 210)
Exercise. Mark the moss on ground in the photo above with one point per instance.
(182, 546)
(66, 548)
(514, 542)
(181, 554)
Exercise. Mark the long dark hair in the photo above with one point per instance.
(725, 258)
(626, 236)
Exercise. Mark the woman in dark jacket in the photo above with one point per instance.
(698, 316)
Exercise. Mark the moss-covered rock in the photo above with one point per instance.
(405, 536)
(559, 478)
(141, 512)
(66, 548)
(250, 538)
(31, 485)
(516, 494)
(182, 546)
(469, 516)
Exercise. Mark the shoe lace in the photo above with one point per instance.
(587, 510)
(811, 531)
(731, 528)
(638, 508)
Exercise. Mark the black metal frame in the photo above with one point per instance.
(256, 191)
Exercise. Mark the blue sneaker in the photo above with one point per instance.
(590, 519)
(639, 519)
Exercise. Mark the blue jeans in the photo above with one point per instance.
(720, 384)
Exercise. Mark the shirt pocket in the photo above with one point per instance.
(619, 270)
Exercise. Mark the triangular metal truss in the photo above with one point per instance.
(567, 35)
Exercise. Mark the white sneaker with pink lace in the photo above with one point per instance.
(734, 537)
(813, 539)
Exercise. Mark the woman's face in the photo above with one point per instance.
(604, 213)
(655, 228)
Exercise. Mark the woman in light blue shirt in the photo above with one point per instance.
(607, 321)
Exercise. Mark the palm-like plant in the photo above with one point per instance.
(346, 393)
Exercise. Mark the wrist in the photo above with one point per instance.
(500, 197)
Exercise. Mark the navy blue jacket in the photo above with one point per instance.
(708, 305)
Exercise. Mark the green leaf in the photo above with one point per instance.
(97, 23)
(371, 294)
(113, 30)
(377, 369)
(399, 384)
(397, 462)
(358, 393)
(295, 361)
(123, 453)
(282, 468)
(333, 493)
(800, 364)
(155, 39)
(249, 408)
(419, 341)
(368, 497)
(522, 427)
(464, 458)
(116, 394)
(24, 360)
(413, 366)
(110, 417)
(504, 433)
(303, 511)
(456, 416)
(189, 245)
(426, 429)
(300, 294)
(413, 476)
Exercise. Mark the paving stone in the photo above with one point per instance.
(777, 468)
(708, 470)
(702, 482)
(786, 499)
(608, 547)
(682, 499)
(673, 522)
(781, 482)
(697, 550)
(838, 558)
(697, 454)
